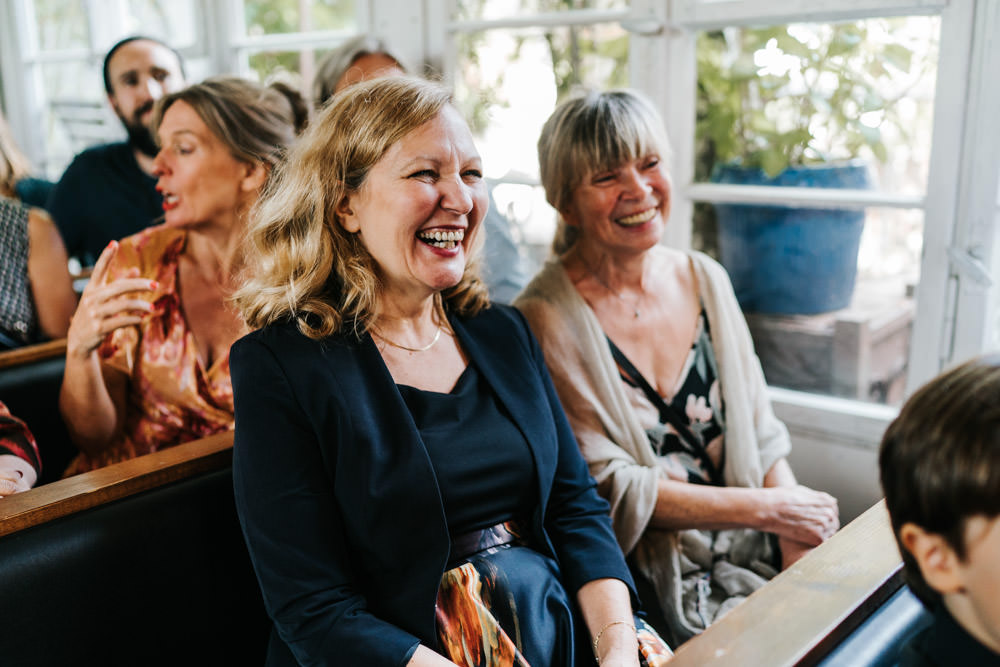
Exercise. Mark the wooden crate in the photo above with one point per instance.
(859, 352)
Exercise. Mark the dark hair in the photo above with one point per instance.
(136, 38)
(940, 459)
(296, 105)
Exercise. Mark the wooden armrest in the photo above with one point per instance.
(32, 353)
(89, 489)
(806, 610)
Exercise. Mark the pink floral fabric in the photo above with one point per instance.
(172, 398)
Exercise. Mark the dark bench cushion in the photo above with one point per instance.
(159, 578)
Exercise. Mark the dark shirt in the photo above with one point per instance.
(482, 462)
(103, 196)
(945, 643)
(34, 191)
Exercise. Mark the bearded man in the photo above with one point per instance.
(109, 192)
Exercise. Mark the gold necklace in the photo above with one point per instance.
(429, 345)
(634, 307)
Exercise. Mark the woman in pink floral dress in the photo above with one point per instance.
(147, 362)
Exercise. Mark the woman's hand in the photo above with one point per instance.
(799, 514)
(16, 475)
(104, 308)
(617, 646)
(791, 551)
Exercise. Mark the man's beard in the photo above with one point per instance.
(139, 136)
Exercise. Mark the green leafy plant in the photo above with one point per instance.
(775, 97)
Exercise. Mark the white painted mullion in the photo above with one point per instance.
(440, 48)
(291, 41)
(545, 20)
(701, 15)
(976, 233)
(21, 92)
(224, 31)
(800, 197)
(676, 97)
(929, 350)
(401, 24)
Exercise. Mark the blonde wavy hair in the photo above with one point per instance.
(590, 132)
(302, 264)
(13, 164)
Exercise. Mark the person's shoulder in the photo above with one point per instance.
(287, 340)
(699, 259)
(11, 207)
(497, 316)
(546, 285)
(102, 153)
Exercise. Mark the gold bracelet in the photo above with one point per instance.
(597, 639)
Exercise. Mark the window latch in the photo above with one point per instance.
(967, 265)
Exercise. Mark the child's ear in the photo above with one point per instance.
(938, 562)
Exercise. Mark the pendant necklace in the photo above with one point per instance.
(429, 345)
(634, 307)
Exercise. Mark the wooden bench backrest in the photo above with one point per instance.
(806, 610)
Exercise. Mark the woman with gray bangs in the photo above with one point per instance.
(654, 364)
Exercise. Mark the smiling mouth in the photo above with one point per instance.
(446, 240)
(637, 218)
(170, 201)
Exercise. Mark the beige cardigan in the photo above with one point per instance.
(609, 434)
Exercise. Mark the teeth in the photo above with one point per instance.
(170, 198)
(638, 218)
(442, 239)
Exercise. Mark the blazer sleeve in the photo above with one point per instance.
(292, 525)
(577, 518)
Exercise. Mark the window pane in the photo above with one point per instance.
(827, 292)
(858, 351)
(173, 21)
(296, 68)
(816, 93)
(508, 83)
(496, 9)
(268, 17)
(75, 113)
(62, 24)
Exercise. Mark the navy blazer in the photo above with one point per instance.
(339, 503)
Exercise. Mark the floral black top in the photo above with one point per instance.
(697, 397)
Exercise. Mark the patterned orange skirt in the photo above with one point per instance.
(505, 606)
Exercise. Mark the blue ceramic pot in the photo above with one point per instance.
(788, 260)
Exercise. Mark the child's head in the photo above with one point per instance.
(940, 469)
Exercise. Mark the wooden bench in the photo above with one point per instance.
(804, 614)
(139, 563)
(144, 563)
(30, 379)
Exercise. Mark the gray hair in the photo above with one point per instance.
(335, 63)
(593, 131)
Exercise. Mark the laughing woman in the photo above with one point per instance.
(407, 483)
(653, 360)
(147, 363)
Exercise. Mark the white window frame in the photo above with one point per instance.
(956, 295)
(954, 308)
(955, 313)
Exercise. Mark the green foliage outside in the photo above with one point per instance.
(268, 17)
(576, 54)
(829, 99)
